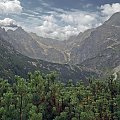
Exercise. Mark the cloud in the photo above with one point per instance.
(108, 9)
(52, 30)
(79, 18)
(7, 22)
(66, 24)
(10, 6)
(52, 22)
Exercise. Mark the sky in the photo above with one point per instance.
(58, 19)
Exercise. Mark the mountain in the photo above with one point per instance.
(36, 47)
(114, 20)
(14, 63)
(100, 50)
(46, 49)
(96, 49)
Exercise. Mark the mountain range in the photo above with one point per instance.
(95, 51)
(12, 63)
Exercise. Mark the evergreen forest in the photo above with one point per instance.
(43, 97)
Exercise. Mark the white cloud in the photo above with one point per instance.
(78, 18)
(7, 22)
(10, 6)
(64, 25)
(52, 30)
(61, 24)
(108, 9)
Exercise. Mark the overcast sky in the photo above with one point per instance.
(56, 18)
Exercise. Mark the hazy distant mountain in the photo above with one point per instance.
(32, 46)
(14, 63)
(47, 49)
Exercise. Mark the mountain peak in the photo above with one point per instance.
(114, 20)
(20, 29)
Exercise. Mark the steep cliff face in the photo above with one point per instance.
(100, 39)
(108, 59)
(101, 49)
(30, 46)
(114, 20)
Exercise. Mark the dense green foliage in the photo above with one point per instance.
(41, 97)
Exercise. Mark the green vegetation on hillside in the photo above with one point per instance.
(41, 97)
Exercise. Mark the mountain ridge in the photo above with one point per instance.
(14, 63)
(83, 50)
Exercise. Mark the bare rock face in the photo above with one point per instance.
(101, 49)
(30, 46)
(103, 37)
(114, 20)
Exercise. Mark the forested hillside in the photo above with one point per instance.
(41, 97)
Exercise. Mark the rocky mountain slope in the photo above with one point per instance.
(100, 39)
(14, 63)
(101, 50)
(46, 49)
(32, 46)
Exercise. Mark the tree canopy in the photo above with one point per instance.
(42, 97)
